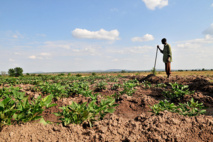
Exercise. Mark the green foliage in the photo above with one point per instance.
(177, 92)
(6, 111)
(56, 89)
(17, 108)
(128, 88)
(29, 111)
(163, 105)
(100, 86)
(11, 72)
(18, 71)
(116, 96)
(116, 86)
(161, 85)
(61, 74)
(78, 75)
(78, 88)
(79, 113)
(11, 92)
(191, 108)
(93, 74)
(146, 84)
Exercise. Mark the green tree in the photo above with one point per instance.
(18, 71)
(11, 72)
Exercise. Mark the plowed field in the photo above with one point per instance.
(132, 119)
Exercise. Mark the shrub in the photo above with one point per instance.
(18, 71)
(93, 74)
(11, 72)
(78, 75)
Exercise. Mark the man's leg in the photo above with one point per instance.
(168, 69)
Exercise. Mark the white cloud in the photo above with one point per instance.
(152, 4)
(131, 50)
(87, 50)
(45, 54)
(11, 60)
(41, 35)
(32, 57)
(196, 43)
(17, 35)
(146, 37)
(212, 5)
(40, 56)
(101, 34)
(195, 53)
(209, 30)
(58, 44)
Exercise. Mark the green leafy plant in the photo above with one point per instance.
(146, 84)
(7, 110)
(190, 108)
(100, 86)
(116, 86)
(86, 112)
(161, 85)
(28, 111)
(177, 92)
(116, 96)
(163, 105)
(128, 88)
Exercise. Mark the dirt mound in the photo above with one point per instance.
(165, 127)
(201, 84)
(174, 127)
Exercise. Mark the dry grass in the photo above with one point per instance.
(161, 73)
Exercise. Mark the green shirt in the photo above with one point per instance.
(167, 52)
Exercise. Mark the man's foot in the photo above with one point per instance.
(168, 76)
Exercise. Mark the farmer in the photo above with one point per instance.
(167, 56)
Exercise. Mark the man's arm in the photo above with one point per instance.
(159, 49)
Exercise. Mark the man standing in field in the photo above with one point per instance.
(167, 56)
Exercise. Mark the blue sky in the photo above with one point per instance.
(78, 35)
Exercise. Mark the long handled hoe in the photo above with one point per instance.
(153, 72)
(155, 61)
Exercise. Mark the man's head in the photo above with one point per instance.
(163, 41)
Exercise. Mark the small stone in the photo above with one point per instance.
(11, 134)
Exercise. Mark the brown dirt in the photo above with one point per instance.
(132, 120)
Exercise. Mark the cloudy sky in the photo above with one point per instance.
(78, 35)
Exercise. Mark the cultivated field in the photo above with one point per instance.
(108, 107)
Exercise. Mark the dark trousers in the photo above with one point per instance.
(168, 68)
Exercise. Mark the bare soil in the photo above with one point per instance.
(132, 121)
